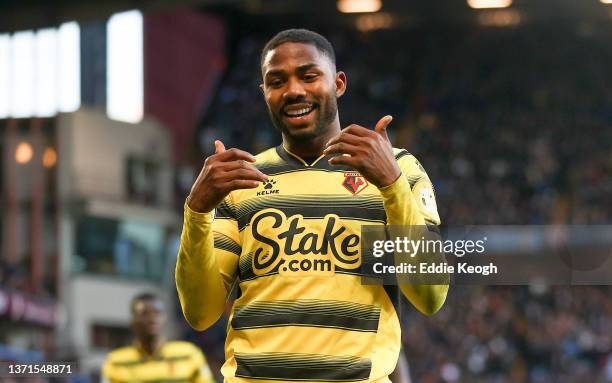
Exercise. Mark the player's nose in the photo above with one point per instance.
(294, 89)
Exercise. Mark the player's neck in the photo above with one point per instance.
(149, 345)
(313, 147)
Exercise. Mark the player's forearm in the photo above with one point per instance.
(399, 204)
(198, 279)
(402, 210)
(420, 289)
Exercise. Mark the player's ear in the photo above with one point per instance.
(340, 83)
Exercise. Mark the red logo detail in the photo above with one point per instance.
(354, 182)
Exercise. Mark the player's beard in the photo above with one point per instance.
(326, 114)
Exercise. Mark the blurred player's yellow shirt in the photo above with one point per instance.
(293, 245)
(176, 362)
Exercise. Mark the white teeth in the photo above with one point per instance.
(300, 112)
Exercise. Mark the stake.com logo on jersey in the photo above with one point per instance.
(288, 245)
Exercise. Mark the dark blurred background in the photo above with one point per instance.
(108, 110)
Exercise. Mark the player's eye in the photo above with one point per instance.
(311, 76)
(275, 83)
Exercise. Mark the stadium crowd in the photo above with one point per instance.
(513, 334)
(514, 126)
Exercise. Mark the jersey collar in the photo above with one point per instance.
(298, 163)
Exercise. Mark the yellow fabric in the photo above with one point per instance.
(293, 246)
(175, 362)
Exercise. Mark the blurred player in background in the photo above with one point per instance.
(151, 358)
(288, 226)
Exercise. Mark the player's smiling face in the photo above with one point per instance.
(300, 86)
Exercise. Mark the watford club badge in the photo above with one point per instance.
(354, 182)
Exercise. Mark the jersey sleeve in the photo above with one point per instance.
(207, 263)
(226, 241)
(410, 200)
(422, 188)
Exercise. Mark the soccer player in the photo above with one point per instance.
(285, 226)
(151, 358)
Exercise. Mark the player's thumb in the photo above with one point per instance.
(381, 126)
(219, 147)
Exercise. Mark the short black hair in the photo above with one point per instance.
(143, 297)
(299, 36)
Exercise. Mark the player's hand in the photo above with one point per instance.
(367, 151)
(224, 171)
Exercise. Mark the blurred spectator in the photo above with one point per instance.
(151, 357)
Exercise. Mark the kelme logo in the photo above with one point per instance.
(268, 187)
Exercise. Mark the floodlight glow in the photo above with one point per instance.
(481, 4)
(49, 157)
(499, 18)
(606, 1)
(359, 6)
(22, 63)
(69, 53)
(23, 153)
(5, 75)
(367, 23)
(124, 66)
(46, 73)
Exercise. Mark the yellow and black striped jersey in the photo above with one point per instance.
(175, 362)
(292, 245)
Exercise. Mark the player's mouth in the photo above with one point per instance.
(153, 327)
(299, 113)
